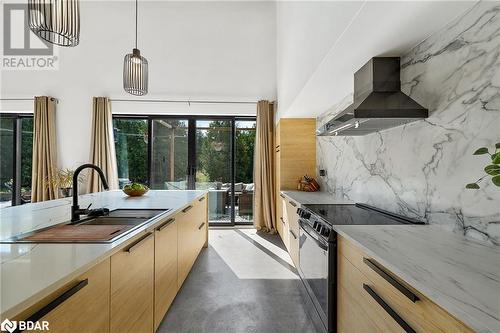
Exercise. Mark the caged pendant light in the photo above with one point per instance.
(135, 69)
(56, 21)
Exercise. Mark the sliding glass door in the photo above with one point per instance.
(192, 152)
(214, 167)
(169, 154)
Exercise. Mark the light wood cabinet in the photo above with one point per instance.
(165, 268)
(295, 156)
(293, 230)
(84, 307)
(295, 151)
(192, 236)
(132, 276)
(364, 284)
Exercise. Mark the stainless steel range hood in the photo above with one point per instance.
(378, 103)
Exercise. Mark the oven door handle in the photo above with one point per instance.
(320, 243)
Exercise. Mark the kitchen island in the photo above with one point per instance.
(31, 273)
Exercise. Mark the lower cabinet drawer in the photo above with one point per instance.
(132, 276)
(165, 268)
(418, 311)
(358, 311)
(294, 246)
(81, 306)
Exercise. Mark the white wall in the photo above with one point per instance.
(196, 50)
(322, 44)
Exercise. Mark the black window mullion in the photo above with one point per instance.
(150, 151)
(16, 179)
(233, 173)
(191, 170)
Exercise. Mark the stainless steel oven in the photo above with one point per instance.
(317, 264)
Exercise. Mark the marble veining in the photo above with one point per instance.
(420, 169)
(460, 275)
(309, 198)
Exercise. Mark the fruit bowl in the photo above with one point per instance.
(135, 190)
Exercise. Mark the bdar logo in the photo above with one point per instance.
(8, 326)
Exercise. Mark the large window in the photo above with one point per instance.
(209, 153)
(16, 146)
(131, 145)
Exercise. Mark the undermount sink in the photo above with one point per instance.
(101, 229)
(106, 220)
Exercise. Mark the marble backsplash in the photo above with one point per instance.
(420, 169)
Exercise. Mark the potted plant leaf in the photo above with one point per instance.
(492, 169)
(62, 180)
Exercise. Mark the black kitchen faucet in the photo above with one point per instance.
(75, 209)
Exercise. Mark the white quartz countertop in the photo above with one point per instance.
(29, 272)
(460, 275)
(309, 198)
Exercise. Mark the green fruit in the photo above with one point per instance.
(137, 187)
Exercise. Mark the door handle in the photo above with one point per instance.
(292, 203)
(201, 226)
(293, 234)
(187, 208)
(166, 224)
(401, 322)
(56, 302)
(137, 244)
(402, 289)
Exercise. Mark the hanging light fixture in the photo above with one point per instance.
(135, 69)
(56, 21)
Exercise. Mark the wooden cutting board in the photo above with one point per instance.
(79, 233)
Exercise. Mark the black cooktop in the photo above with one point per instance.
(358, 214)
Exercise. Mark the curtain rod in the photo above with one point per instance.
(25, 99)
(180, 101)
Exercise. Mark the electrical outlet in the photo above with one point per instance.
(322, 173)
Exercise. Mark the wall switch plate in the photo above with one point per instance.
(322, 172)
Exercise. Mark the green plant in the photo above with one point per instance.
(62, 178)
(492, 170)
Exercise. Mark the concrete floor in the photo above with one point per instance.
(243, 282)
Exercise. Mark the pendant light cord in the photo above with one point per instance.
(136, 23)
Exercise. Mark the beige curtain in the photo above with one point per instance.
(102, 147)
(264, 209)
(44, 164)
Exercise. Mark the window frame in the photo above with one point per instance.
(192, 158)
(16, 153)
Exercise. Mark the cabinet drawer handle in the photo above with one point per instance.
(281, 195)
(293, 234)
(56, 302)
(402, 289)
(404, 325)
(282, 221)
(138, 243)
(201, 199)
(277, 146)
(292, 203)
(187, 208)
(166, 224)
(201, 226)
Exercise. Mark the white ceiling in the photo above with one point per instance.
(196, 50)
(322, 44)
